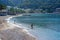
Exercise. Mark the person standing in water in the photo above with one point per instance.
(31, 26)
(14, 21)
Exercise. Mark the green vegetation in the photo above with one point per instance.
(15, 10)
(19, 10)
(46, 5)
(2, 6)
(11, 9)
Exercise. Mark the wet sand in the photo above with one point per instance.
(9, 32)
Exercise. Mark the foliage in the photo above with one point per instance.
(17, 10)
(50, 5)
(2, 6)
(11, 9)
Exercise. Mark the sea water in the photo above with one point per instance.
(45, 26)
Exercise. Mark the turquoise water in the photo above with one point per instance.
(46, 26)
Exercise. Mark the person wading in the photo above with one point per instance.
(14, 21)
(31, 26)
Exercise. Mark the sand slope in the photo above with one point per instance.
(12, 33)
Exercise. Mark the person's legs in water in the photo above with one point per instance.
(31, 26)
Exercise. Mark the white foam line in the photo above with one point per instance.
(19, 26)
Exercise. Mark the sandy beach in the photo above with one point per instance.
(10, 32)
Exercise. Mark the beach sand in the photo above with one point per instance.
(9, 32)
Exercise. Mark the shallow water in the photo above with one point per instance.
(46, 26)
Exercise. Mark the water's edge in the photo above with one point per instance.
(27, 32)
(41, 33)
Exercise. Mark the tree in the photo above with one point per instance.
(2, 6)
(11, 9)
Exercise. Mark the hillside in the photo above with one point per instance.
(33, 4)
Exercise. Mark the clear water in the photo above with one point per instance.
(46, 26)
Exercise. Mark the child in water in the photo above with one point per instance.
(31, 26)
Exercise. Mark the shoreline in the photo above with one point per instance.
(42, 33)
(17, 30)
(18, 26)
(12, 28)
